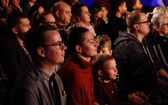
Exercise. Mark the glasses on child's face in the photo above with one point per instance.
(59, 44)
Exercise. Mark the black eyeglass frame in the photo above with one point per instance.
(142, 22)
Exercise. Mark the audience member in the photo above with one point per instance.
(105, 13)
(34, 10)
(160, 10)
(40, 85)
(62, 14)
(4, 10)
(105, 90)
(27, 4)
(104, 2)
(104, 44)
(96, 19)
(45, 18)
(14, 57)
(16, 5)
(76, 73)
(81, 17)
(136, 64)
(71, 2)
(133, 5)
(159, 42)
(116, 22)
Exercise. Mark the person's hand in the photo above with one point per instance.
(16, 5)
(138, 97)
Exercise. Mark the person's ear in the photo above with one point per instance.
(78, 49)
(157, 28)
(41, 51)
(136, 26)
(100, 72)
(111, 52)
(15, 30)
(57, 13)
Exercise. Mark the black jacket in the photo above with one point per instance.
(136, 64)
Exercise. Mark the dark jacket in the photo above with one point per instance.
(160, 47)
(136, 64)
(30, 89)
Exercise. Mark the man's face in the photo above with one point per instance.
(124, 8)
(54, 49)
(49, 19)
(65, 15)
(138, 5)
(23, 27)
(143, 24)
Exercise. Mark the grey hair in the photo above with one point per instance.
(160, 10)
(157, 19)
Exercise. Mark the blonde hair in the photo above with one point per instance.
(103, 41)
(160, 10)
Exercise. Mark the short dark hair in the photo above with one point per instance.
(76, 11)
(75, 37)
(133, 18)
(130, 4)
(115, 4)
(13, 19)
(35, 38)
(94, 9)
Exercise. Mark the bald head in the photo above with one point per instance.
(62, 13)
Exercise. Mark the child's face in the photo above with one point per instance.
(138, 5)
(105, 50)
(110, 71)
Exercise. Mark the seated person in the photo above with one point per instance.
(104, 87)
(104, 44)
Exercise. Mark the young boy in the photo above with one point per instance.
(105, 90)
(104, 44)
(105, 68)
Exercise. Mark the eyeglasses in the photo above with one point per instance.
(49, 23)
(165, 24)
(60, 44)
(142, 22)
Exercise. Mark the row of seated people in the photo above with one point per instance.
(15, 54)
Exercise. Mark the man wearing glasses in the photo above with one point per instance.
(41, 85)
(136, 64)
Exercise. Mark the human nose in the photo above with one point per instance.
(64, 47)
